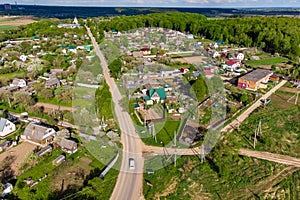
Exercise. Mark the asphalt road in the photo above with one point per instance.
(129, 184)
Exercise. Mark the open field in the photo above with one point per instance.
(268, 61)
(227, 175)
(191, 60)
(222, 176)
(279, 124)
(7, 27)
(15, 20)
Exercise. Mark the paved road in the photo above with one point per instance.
(234, 124)
(129, 185)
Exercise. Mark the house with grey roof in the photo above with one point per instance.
(38, 134)
(68, 146)
(53, 82)
(255, 79)
(6, 127)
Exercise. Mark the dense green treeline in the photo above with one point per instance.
(271, 34)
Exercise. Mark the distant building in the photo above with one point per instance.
(38, 134)
(18, 83)
(6, 127)
(255, 79)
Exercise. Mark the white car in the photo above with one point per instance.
(131, 164)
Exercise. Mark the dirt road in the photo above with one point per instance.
(282, 159)
(49, 107)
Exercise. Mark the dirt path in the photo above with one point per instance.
(49, 107)
(282, 159)
(290, 90)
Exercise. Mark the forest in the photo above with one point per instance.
(271, 34)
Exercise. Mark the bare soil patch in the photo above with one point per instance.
(50, 107)
(191, 60)
(16, 21)
(71, 177)
(14, 157)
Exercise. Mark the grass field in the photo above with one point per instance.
(280, 127)
(222, 176)
(164, 133)
(225, 174)
(7, 27)
(268, 61)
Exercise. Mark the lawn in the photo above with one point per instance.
(12, 75)
(268, 61)
(7, 27)
(165, 133)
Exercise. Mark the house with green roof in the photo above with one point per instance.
(157, 95)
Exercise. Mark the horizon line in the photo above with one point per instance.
(133, 6)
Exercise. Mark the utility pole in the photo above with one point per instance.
(175, 144)
(255, 140)
(296, 100)
(202, 153)
(258, 132)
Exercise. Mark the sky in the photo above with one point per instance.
(163, 3)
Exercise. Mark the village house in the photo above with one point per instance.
(23, 58)
(68, 146)
(240, 56)
(215, 54)
(53, 82)
(6, 127)
(146, 51)
(255, 79)
(233, 63)
(157, 95)
(38, 134)
(18, 83)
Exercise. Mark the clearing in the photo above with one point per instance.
(15, 157)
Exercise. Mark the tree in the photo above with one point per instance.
(46, 93)
(115, 68)
(199, 88)
(244, 99)
(22, 99)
